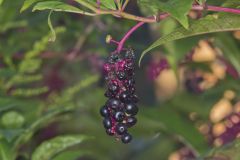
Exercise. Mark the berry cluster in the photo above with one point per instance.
(120, 109)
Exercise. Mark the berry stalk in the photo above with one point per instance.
(127, 35)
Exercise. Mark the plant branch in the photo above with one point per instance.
(165, 15)
(216, 9)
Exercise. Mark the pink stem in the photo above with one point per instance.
(127, 35)
(215, 8)
(115, 42)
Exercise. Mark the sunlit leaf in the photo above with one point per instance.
(59, 6)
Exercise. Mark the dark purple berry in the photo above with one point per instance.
(134, 98)
(119, 116)
(113, 103)
(108, 94)
(126, 138)
(132, 89)
(130, 54)
(119, 110)
(124, 97)
(113, 58)
(112, 87)
(131, 109)
(104, 111)
(121, 75)
(129, 66)
(107, 123)
(131, 121)
(121, 128)
(109, 132)
(129, 82)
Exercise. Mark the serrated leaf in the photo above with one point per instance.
(209, 24)
(178, 9)
(59, 7)
(48, 149)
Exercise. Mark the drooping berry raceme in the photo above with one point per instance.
(120, 109)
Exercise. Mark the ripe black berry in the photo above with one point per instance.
(109, 132)
(131, 121)
(119, 116)
(121, 75)
(119, 110)
(104, 111)
(113, 103)
(131, 109)
(126, 138)
(124, 97)
(112, 87)
(107, 123)
(121, 128)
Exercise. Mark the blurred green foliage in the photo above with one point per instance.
(51, 92)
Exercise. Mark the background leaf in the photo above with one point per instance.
(58, 6)
(48, 149)
(176, 8)
(209, 24)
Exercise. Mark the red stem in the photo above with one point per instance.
(215, 8)
(127, 35)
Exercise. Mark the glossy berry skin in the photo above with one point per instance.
(121, 128)
(113, 103)
(104, 111)
(109, 132)
(107, 123)
(120, 109)
(121, 75)
(113, 88)
(131, 121)
(119, 116)
(131, 109)
(124, 97)
(126, 138)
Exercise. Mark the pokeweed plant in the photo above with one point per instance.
(120, 110)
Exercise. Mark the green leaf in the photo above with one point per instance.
(60, 7)
(48, 149)
(1, 1)
(178, 125)
(109, 4)
(5, 153)
(226, 152)
(176, 8)
(27, 4)
(71, 155)
(10, 134)
(230, 49)
(209, 24)
(28, 132)
(201, 2)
